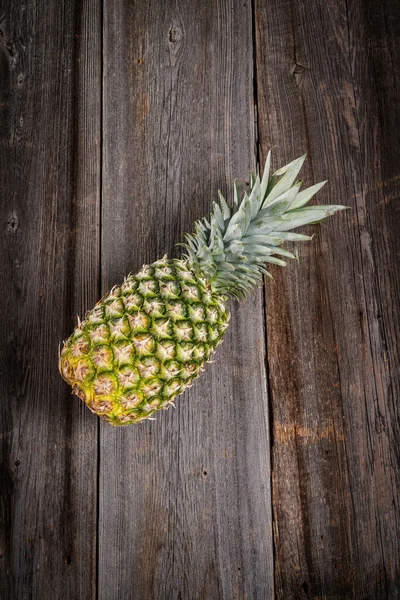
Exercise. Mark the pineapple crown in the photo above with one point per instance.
(232, 247)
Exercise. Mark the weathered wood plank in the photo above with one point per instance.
(49, 180)
(374, 44)
(184, 500)
(326, 84)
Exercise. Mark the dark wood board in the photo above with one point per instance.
(185, 506)
(327, 83)
(278, 475)
(49, 182)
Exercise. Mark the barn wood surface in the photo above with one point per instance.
(332, 325)
(191, 516)
(278, 474)
(50, 159)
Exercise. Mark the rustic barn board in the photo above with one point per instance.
(49, 181)
(326, 83)
(374, 33)
(151, 106)
(184, 500)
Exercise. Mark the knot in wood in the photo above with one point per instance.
(298, 72)
(298, 69)
(13, 224)
(175, 34)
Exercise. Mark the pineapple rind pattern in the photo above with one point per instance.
(145, 342)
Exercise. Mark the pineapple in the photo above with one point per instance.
(146, 341)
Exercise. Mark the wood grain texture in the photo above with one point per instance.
(150, 106)
(327, 83)
(184, 500)
(49, 181)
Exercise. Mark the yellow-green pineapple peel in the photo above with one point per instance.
(148, 339)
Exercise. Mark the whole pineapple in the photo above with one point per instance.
(148, 339)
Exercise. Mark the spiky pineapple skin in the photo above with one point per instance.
(144, 342)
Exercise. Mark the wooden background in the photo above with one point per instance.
(278, 474)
